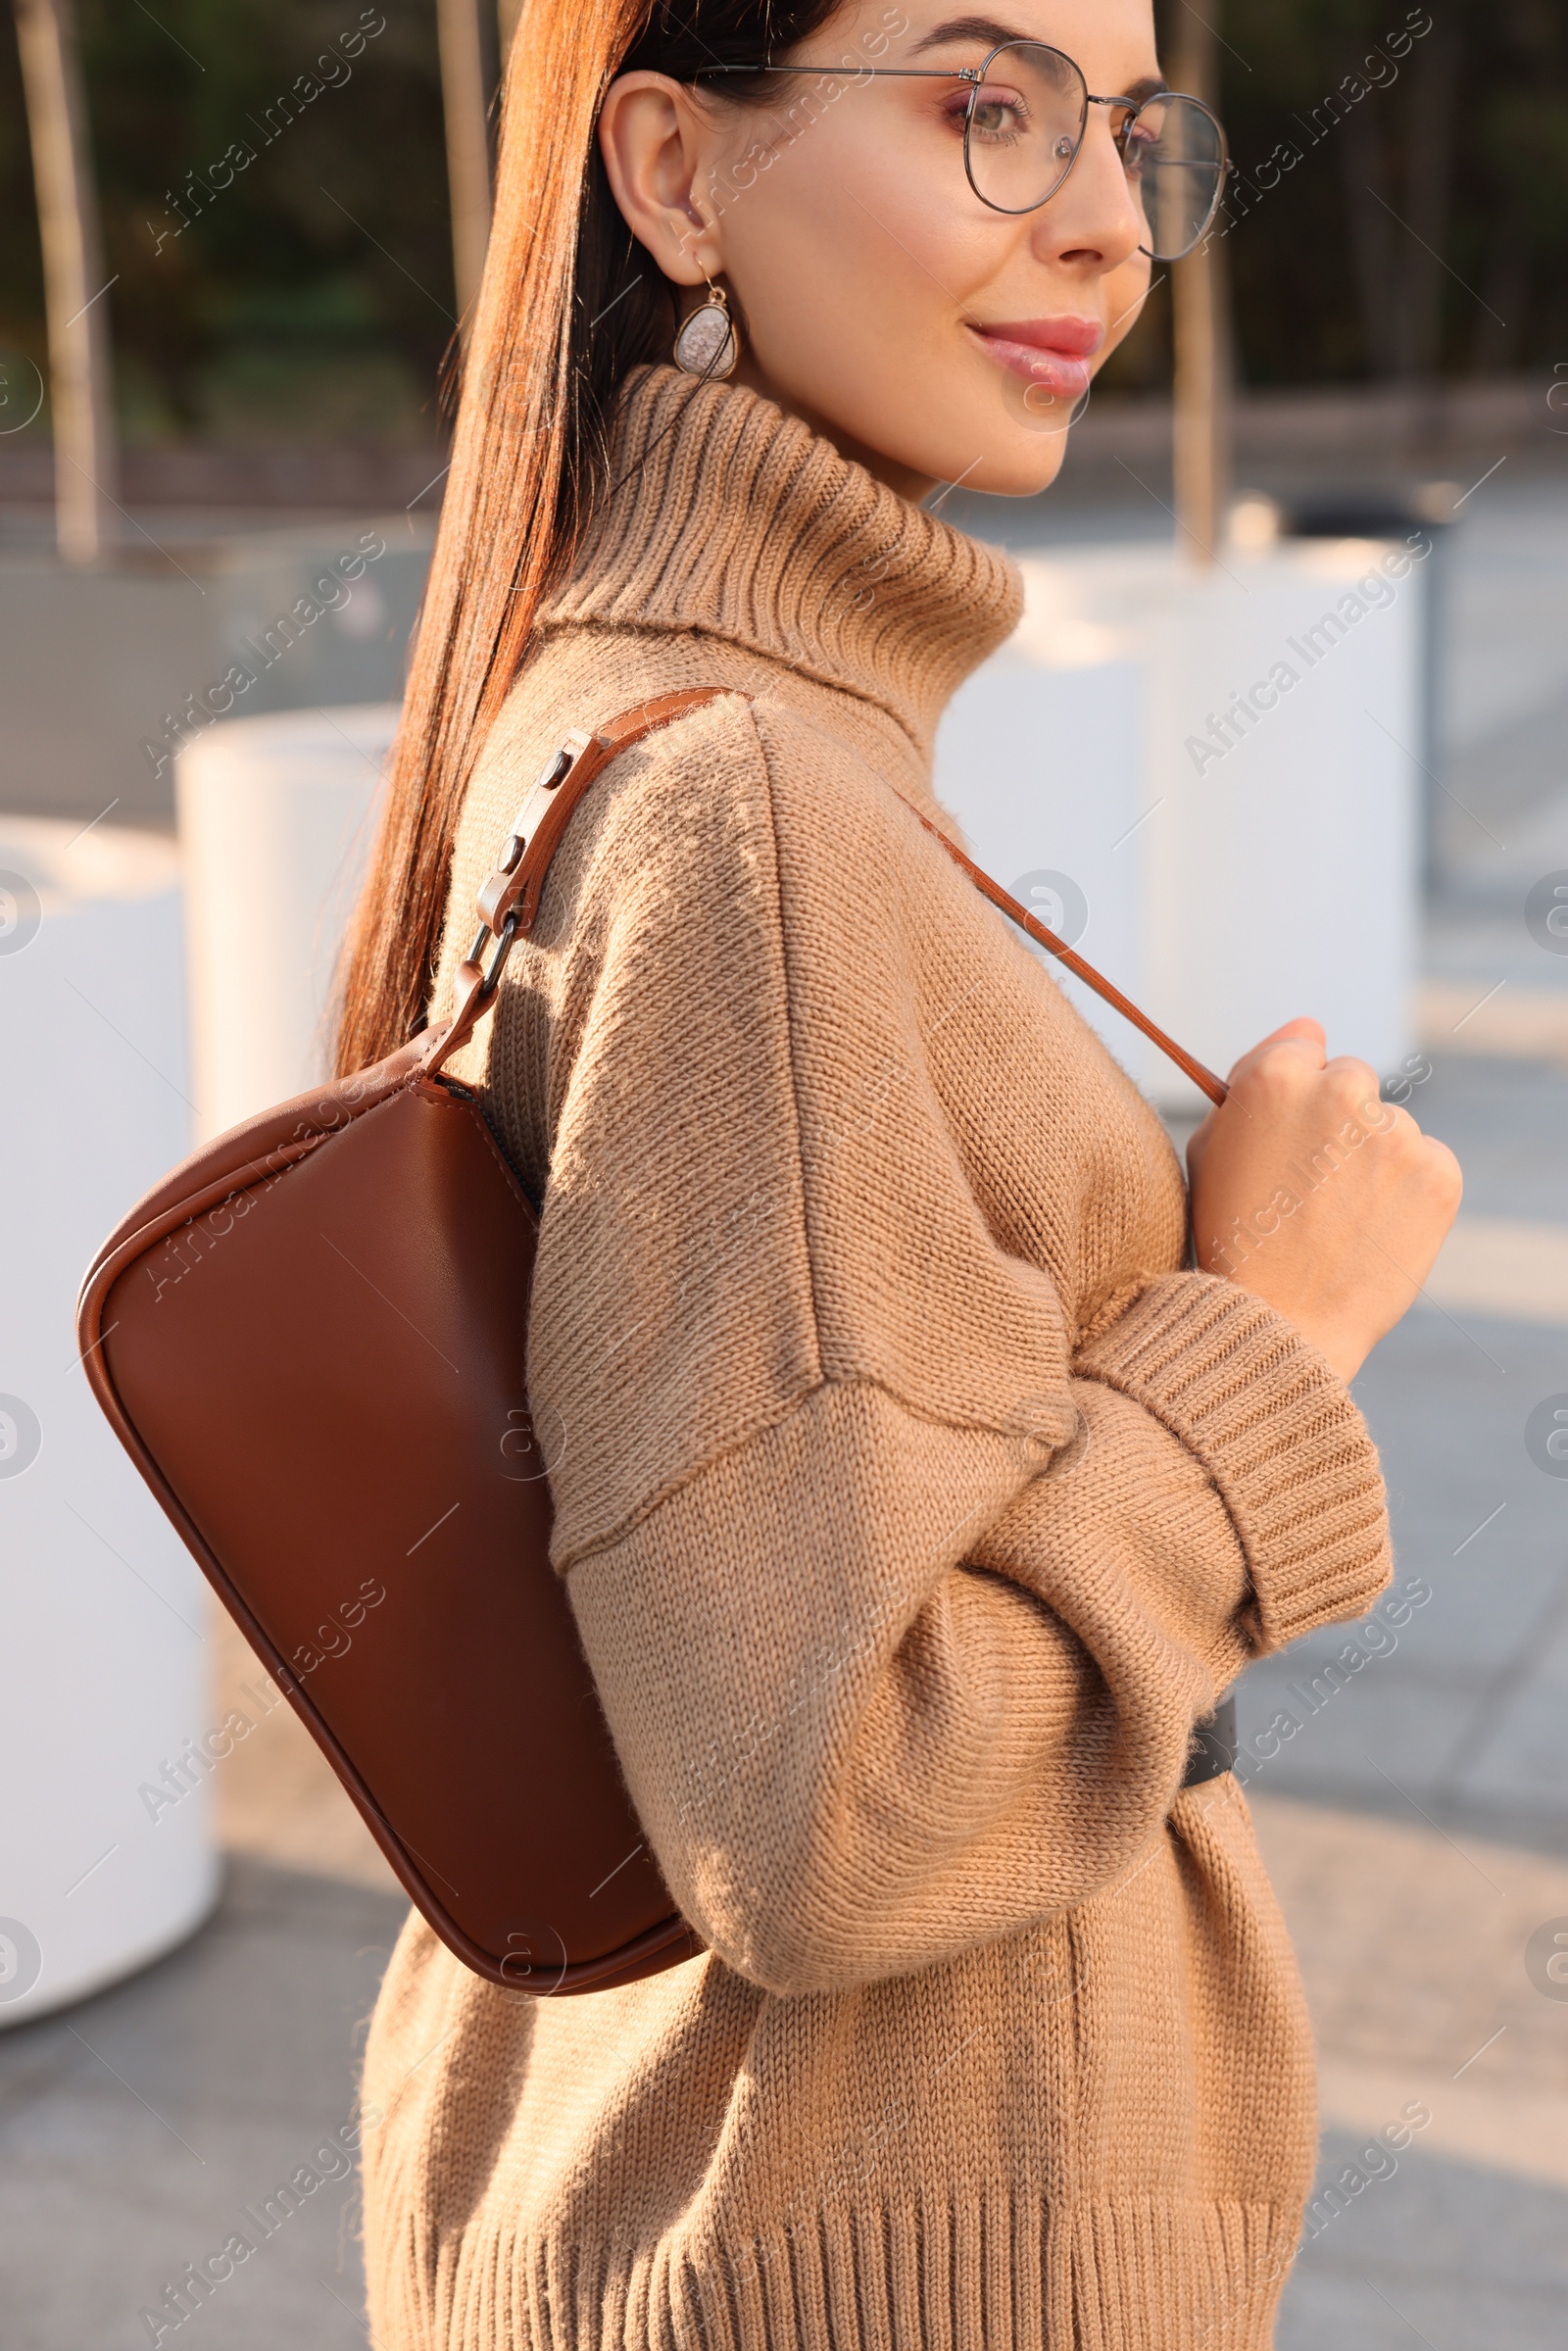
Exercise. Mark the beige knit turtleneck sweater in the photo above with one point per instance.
(913, 1502)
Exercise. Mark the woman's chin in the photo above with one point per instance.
(1027, 462)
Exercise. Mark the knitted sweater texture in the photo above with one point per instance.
(913, 1502)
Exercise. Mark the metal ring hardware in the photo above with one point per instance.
(498, 955)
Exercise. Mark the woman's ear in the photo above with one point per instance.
(655, 143)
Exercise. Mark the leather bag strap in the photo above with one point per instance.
(508, 903)
(1204, 1078)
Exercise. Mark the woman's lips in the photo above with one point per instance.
(1053, 352)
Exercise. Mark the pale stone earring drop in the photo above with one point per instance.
(707, 344)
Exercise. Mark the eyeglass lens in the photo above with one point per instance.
(1026, 124)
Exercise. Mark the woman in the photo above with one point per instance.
(913, 1501)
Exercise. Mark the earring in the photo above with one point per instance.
(707, 344)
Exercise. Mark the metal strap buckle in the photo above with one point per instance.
(500, 890)
(498, 955)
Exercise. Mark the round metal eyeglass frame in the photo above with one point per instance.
(975, 76)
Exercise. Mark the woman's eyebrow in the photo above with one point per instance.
(968, 28)
(993, 33)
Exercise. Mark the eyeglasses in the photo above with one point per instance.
(1025, 112)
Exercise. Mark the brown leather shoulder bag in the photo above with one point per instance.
(311, 1339)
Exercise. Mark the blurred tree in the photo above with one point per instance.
(471, 38)
(1203, 360)
(79, 371)
(1396, 210)
(274, 188)
(22, 313)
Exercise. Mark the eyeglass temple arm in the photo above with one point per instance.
(855, 73)
(912, 73)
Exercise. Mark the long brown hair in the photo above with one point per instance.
(569, 304)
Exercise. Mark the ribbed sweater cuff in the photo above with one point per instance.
(1277, 1431)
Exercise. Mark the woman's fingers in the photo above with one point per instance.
(1301, 1032)
(1306, 1042)
(1197, 1143)
(1284, 1057)
(1311, 1189)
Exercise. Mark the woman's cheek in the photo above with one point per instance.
(894, 249)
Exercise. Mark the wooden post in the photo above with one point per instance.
(75, 290)
(468, 78)
(1201, 310)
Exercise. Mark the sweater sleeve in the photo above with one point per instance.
(901, 1613)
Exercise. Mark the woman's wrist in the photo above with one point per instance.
(1342, 1349)
(1255, 1400)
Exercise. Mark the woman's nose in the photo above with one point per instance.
(1094, 221)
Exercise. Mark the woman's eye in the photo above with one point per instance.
(1000, 115)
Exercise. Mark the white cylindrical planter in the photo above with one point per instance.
(1041, 758)
(275, 818)
(102, 1623)
(1224, 764)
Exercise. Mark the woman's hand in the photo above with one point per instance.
(1325, 1200)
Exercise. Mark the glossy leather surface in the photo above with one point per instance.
(311, 1339)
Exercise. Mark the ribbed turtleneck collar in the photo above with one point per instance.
(728, 517)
